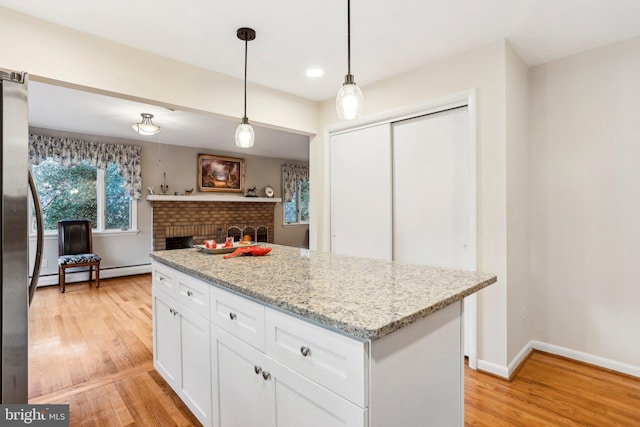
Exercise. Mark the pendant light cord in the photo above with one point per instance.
(348, 36)
(245, 77)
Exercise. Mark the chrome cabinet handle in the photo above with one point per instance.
(232, 316)
(257, 369)
(305, 351)
(189, 293)
(161, 279)
(172, 311)
(266, 375)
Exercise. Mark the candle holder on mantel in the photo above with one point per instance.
(164, 187)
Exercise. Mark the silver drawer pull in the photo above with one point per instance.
(161, 279)
(189, 293)
(257, 369)
(232, 316)
(171, 310)
(305, 351)
(266, 375)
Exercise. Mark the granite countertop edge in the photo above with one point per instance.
(323, 319)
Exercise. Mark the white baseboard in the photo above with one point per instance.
(517, 361)
(506, 371)
(493, 368)
(591, 359)
(106, 273)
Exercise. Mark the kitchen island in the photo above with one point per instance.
(306, 338)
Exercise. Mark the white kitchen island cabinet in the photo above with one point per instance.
(299, 338)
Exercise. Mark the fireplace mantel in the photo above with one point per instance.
(212, 198)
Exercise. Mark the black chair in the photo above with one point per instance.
(75, 249)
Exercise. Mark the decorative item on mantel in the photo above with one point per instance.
(164, 187)
(251, 192)
(188, 192)
(268, 191)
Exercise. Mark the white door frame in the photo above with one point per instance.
(467, 98)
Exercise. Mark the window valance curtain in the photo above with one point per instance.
(70, 152)
(291, 175)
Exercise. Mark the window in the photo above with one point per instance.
(82, 191)
(296, 211)
(295, 191)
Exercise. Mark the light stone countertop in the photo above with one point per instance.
(361, 297)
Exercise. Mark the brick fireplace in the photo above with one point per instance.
(191, 216)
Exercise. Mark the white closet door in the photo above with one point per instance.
(432, 189)
(361, 193)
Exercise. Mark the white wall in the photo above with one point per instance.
(585, 204)
(50, 52)
(519, 316)
(484, 70)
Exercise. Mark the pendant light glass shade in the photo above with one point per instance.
(349, 100)
(146, 126)
(244, 134)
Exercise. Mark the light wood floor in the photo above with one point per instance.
(92, 348)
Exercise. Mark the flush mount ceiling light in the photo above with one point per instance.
(244, 132)
(146, 126)
(349, 100)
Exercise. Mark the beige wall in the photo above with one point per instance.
(585, 202)
(180, 165)
(519, 316)
(484, 70)
(50, 52)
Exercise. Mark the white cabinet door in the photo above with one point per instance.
(245, 387)
(195, 379)
(253, 390)
(361, 193)
(166, 329)
(181, 353)
(301, 402)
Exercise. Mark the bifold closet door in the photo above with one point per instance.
(361, 192)
(431, 190)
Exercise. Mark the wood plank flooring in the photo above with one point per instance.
(92, 348)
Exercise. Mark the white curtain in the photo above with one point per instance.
(291, 175)
(70, 152)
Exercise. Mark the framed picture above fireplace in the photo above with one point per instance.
(219, 173)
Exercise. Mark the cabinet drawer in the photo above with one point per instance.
(238, 316)
(328, 358)
(193, 294)
(164, 278)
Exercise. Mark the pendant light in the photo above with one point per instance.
(244, 132)
(349, 100)
(146, 126)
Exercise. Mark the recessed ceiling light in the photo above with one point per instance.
(315, 72)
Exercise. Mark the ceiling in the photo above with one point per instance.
(59, 108)
(387, 37)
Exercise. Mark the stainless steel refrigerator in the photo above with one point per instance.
(16, 289)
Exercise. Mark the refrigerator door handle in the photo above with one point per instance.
(35, 275)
